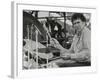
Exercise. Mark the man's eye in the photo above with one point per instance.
(76, 23)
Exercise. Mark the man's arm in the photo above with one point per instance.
(81, 56)
(84, 53)
(57, 45)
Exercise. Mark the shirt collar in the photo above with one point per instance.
(80, 32)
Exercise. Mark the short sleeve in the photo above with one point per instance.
(87, 39)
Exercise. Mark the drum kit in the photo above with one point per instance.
(35, 54)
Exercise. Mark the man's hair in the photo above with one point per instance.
(78, 16)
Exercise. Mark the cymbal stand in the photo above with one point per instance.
(47, 46)
(28, 45)
(36, 48)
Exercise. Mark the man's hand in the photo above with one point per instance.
(66, 56)
(55, 43)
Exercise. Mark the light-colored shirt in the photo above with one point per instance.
(81, 46)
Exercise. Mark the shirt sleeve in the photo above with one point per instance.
(84, 54)
(87, 40)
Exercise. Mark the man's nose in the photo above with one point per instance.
(76, 25)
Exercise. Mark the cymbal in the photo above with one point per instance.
(28, 19)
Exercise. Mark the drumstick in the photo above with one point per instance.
(37, 30)
(51, 37)
(48, 33)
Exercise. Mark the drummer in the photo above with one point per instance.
(81, 47)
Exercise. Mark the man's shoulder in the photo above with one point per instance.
(86, 31)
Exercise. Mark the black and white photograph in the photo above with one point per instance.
(50, 40)
(55, 39)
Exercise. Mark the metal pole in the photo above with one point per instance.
(36, 49)
(47, 47)
(65, 23)
(28, 40)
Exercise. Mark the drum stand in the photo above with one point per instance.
(28, 36)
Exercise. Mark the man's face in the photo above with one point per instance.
(78, 24)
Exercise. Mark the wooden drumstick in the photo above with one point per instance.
(38, 30)
(48, 33)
